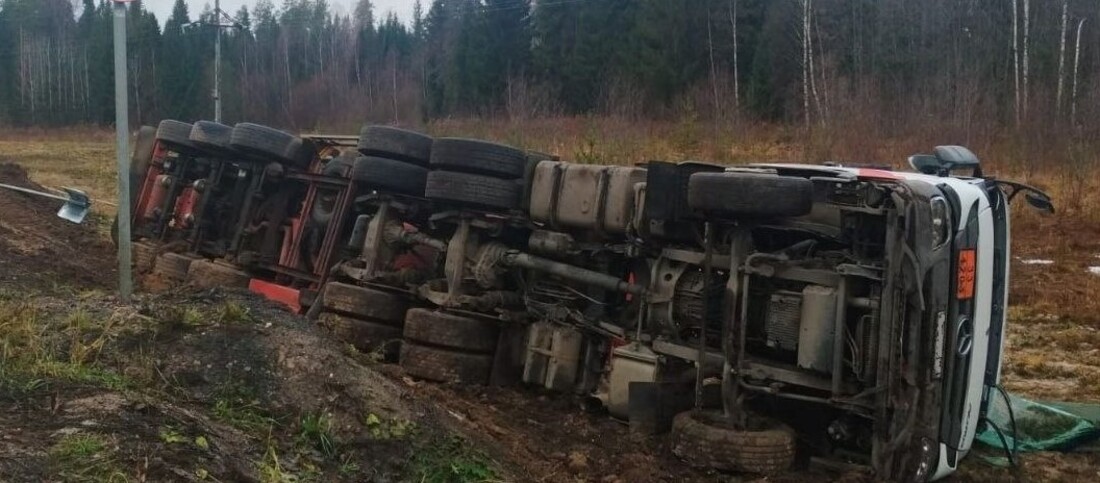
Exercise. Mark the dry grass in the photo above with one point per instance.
(85, 164)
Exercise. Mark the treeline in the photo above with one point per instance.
(970, 64)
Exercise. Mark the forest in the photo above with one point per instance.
(975, 66)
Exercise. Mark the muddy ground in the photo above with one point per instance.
(40, 249)
(189, 385)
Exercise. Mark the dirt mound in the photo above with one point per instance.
(41, 250)
(189, 385)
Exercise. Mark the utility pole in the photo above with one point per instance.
(218, 63)
(122, 130)
(218, 16)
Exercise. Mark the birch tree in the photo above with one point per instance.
(806, 61)
(736, 77)
(1016, 55)
(1076, 63)
(713, 71)
(1027, 52)
(1061, 58)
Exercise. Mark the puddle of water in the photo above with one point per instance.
(1095, 271)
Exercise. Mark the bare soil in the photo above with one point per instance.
(40, 250)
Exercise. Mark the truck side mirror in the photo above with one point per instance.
(925, 163)
(1039, 202)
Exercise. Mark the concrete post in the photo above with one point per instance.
(122, 130)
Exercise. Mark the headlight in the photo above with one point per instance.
(941, 222)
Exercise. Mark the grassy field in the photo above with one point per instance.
(1053, 346)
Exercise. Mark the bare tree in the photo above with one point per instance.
(810, 54)
(1076, 63)
(736, 80)
(1062, 57)
(806, 61)
(1027, 51)
(1016, 54)
(713, 73)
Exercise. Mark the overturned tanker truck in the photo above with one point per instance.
(753, 312)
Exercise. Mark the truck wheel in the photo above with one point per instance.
(173, 266)
(750, 195)
(140, 159)
(144, 256)
(452, 331)
(478, 157)
(208, 274)
(393, 143)
(300, 153)
(176, 134)
(365, 303)
(442, 365)
(705, 439)
(363, 335)
(340, 166)
(473, 190)
(390, 175)
(212, 137)
(264, 142)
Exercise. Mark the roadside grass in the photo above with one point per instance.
(86, 457)
(236, 404)
(38, 348)
(315, 431)
(451, 460)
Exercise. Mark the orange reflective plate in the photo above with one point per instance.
(968, 263)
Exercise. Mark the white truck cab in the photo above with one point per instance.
(943, 328)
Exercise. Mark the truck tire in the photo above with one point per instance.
(365, 303)
(263, 142)
(340, 166)
(473, 190)
(750, 195)
(212, 137)
(208, 274)
(393, 143)
(176, 135)
(451, 331)
(391, 176)
(173, 266)
(704, 439)
(363, 335)
(478, 157)
(300, 153)
(143, 255)
(442, 365)
(140, 160)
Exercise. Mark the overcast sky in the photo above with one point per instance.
(163, 8)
